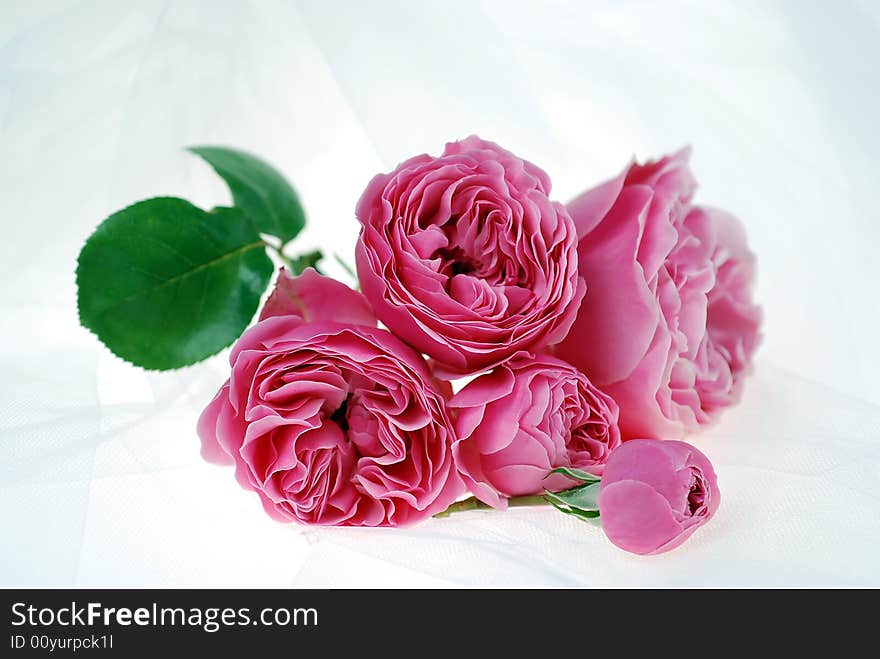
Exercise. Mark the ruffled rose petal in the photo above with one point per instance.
(465, 257)
(333, 423)
(668, 325)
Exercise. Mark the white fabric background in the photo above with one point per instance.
(100, 478)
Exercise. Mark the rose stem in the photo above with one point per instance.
(277, 249)
(472, 503)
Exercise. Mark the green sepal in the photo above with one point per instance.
(580, 498)
(575, 474)
(308, 260)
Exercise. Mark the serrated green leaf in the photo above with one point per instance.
(259, 189)
(165, 284)
(576, 474)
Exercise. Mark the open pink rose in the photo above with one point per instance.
(655, 493)
(528, 416)
(329, 420)
(465, 257)
(668, 325)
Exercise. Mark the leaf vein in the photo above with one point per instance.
(177, 279)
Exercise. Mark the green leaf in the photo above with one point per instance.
(258, 189)
(576, 474)
(165, 284)
(303, 261)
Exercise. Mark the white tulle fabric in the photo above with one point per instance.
(101, 482)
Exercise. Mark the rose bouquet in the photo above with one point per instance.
(593, 336)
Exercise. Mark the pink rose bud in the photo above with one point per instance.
(331, 421)
(654, 494)
(668, 326)
(525, 418)
(314, 297)
(465, 257)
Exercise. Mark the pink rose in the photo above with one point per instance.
(654, 494)
(525, 418)
(329, 420)
(466, 258)
(668, 326)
